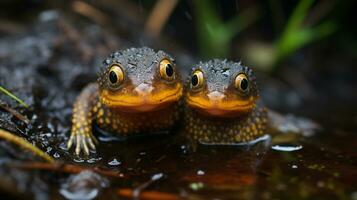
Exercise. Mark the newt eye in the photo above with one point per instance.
(115, 75)
(242, 83)
(166, 69)
(197, 79)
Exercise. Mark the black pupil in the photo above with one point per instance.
(113, 77)
(194, 80)
(244, 84)
(169, 70)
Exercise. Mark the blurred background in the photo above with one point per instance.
(302, 51)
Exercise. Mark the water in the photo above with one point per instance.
(258, 171)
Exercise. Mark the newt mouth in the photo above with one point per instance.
(142, 101)
(221, 107)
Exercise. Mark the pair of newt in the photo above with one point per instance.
(141, 91)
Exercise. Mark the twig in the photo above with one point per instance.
(18, 115)
(25, 144)
(137, 191)
(147, 195)
(159, 16)
(67, 168)
(89, 11)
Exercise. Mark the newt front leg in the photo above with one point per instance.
(82, 120)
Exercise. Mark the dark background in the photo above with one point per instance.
(303, 52)
(317, 79)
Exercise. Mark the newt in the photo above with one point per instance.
(137, 92)
(221, 104)
(222, 107)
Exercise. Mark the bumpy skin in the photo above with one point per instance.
(233, 116)
(143, 102)
(211, 130)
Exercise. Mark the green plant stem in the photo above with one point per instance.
(242, 21)
(295, 35)
(214, 35)
(13, 97)
(25, 144)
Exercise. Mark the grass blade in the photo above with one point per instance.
(13, 97)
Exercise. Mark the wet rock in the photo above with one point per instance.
(85, 185)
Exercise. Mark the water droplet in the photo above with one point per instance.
(34, 117)
(56, 155)
(63, 146)
(93, 160)
(114, 162)
(200, 173)
(49, 149)
(157, 176)
(51, 127)
(184, 149)
(48, 15)
(78, 160)
(196, 186)
(286, 148)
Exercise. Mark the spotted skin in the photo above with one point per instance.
(111, 106)
(205, 128)
(82, 119)
(131, 124)
(210, 130)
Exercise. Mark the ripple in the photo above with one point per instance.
(287, 148)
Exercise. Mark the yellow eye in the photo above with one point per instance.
(115, 75)
(242, 83)
(197, 79)
(166, 69)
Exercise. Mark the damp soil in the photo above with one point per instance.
(47, 66)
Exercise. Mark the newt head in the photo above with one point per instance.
(139, 80)
(221, 88)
